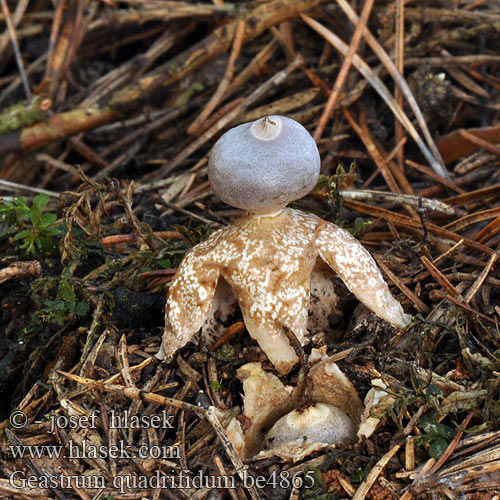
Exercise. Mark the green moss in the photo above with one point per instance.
(21, 115)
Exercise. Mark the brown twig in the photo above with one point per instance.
(233, 330)
(418, 303)
(17, 52)
(377, 469)
(130, 238)
(405, 221)
(435, 161)
(308, 385)
(15, 19)
(344, 70)
(473, 218)
(480, 142)
(129, 98)
(276, 79)
(470, 310)
(480, 279)
(400, 63)
(488, 232)
(381, 89)
(398, 198)
(443, 180)
(224, 83)
(365, 136)
(439, 276)
(20, 270)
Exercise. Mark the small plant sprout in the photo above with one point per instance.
(268, 256)
(36, 230)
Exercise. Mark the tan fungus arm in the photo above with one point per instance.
(189, 299)
(358, 270)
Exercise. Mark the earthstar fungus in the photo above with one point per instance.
(275, 422)
(268, 256)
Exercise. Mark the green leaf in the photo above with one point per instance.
(28, 245)
(40, 201)
(35, 216)
(433, 390)
(164, 263)
(22, 205)
(215, 385)
(81, 308)
(436, 429)
(360, 226)
(65, 291)
(445, 432)
(22, 234)
(437, 447)
(48, 219)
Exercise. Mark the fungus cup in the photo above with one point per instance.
(274, 423)
(319, 423)
(268, 257)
